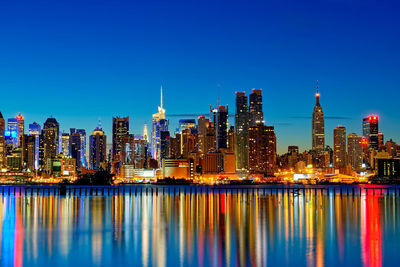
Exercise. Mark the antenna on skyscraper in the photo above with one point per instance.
(219, 95)
(99, 123)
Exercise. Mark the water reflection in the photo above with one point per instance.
(214, 229)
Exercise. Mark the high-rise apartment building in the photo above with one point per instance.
(242, 132)
(355, 151)
(220, 119)
(75, 147)
(34, 130)
(120, 128)
(50, 134)
(318, 126)
(97, 148)
(21, 128)
(255, 107)
(262, 149)
(339, 147)
(203, 124)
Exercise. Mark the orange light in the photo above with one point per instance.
(19, 117)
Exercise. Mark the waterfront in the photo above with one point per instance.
(179, 226)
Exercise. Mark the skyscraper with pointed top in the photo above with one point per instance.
(318, 126)
(160, 123)
(145, 133)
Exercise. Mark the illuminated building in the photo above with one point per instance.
(231, 139)
(12, 128)
(242, 132)
(28, 145)
(34, 130)
(371, 131)
(14, 161)
(75, 148)
(188, 143)
(82, 132)
(126, 169)
(255, 107)
(120, 128)
(210, 143)
(165, 144)
(392, 148)
(262, 149)
(50, 135)
(145, 134)
(355, 151)
(339, 147)
(61, 166)
(220, 119)
(386, 167)
(160, 123)
(97, 148)
(139, 153)
(293, 154)
(318, 126)
(381, 141)
(177, 168)
(64, 144)
(21, 128)
(203, 124)
(187, 124)
(222, 162)
(2, 141)
(293, 149)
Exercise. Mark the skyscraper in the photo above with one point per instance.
(318, 126)
(12, 132)
(145, 133)
(220, 119)
(21, 128)
(354, 151)
(160, 124)
(64, 144)
(242, 132)
(50, 134)
(120, 128)
(2, 141)
(262, 149)
(339, 147)
(82, 132)
(202, 133)
(34, 130)
(255, 108)
(75, 147)
(28, 144)
(97, 148)
(371, 131)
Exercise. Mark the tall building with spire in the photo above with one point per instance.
(242, 132)
(318, 126)
(145, 133)
(160, 124)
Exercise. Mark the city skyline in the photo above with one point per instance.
(304, 122)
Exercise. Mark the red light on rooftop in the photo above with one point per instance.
(19, 117)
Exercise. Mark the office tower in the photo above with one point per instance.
(139, 153)
(202, 133)
(64, 144)
(339, 147)
(34, 130)
(21, 128)
(120, 128)
(145, 134)
(318, 126)
(187, 124)
(75, 147)
(210, 143)
(2, 141)
(165, 144)
(231, 140)
(371, 131)
(12, 131)
(220, 119)
(97, 148)
(50, 134)
(160, 124)
(262, 149)
(127, 149)
(82, 132)
(255, 108)
(28, 144)
(242, 132)
(381, 141)
(187, 143)
(354, 151)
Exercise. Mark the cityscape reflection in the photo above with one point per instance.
(206, 229)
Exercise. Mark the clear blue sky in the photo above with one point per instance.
(81, 60)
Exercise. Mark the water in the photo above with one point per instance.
(221, 228)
